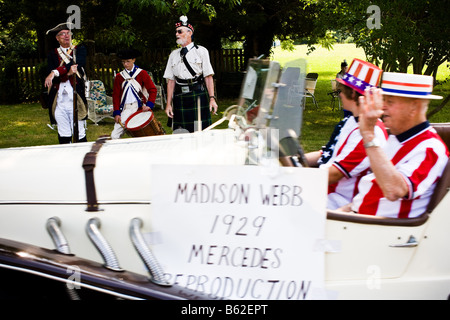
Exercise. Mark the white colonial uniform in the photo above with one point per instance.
(64, 109)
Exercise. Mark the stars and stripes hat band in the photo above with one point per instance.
(361, 75)
(408, 85)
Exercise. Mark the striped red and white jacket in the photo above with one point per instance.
(420, 156)
(349, 157)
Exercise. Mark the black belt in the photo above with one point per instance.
(182, 89)
(192, 81)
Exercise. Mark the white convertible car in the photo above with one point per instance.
(72, 219)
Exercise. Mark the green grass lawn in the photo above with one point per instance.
(26, 124)
(318, 124)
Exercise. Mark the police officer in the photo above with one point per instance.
(190, 82)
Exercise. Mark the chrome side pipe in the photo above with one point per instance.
(156, 271)
(62, 246)
(60, 241)
(102, 245)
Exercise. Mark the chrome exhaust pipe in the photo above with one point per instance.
(156, 272)
(62, 246)
(60, 241)
(105, 250)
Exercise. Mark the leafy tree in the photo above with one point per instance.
(254, 22)
(410, 33)
(112, 24)
(259, 22)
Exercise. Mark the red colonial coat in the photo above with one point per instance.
(144, 80)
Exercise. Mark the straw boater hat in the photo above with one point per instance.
(361, 75)
(184, 23)
(408, 85)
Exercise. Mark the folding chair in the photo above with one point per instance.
(310, 86)
(334, 95)
(100, 106)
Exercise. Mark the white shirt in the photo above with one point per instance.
(198, 58)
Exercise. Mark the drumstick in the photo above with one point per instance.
(215, 124)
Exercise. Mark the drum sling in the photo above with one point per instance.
(88, 166)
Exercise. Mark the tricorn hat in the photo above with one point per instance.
(361, 75)
(408, 85)
(61, 26)
(129, 53)
(183, 22)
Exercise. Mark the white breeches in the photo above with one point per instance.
(64, 116)
(128, 110)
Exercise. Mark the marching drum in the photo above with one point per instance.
(142, 124)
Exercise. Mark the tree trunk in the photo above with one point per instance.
(439, 107)
(258, 43)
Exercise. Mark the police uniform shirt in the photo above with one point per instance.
(198, 58)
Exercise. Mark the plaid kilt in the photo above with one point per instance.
(185, 110)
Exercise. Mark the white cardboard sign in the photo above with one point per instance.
(241, 232)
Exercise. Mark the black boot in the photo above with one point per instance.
(64, 140)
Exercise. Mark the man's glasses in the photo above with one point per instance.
(64, 34)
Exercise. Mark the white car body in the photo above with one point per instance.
(367, 257)
(369, 261)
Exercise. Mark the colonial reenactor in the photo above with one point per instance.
(65, 66)
(190, 82)
(133, 90)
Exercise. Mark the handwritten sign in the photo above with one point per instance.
(241, 232)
